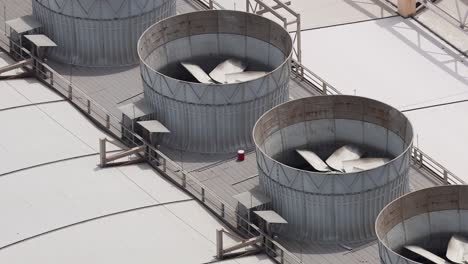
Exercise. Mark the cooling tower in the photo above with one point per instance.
(426, 219)
(332, 205)
(205, 115)
(98, 32)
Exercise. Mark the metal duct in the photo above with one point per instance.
(331, 206)
(426, 218)
(213, 118)
(98, 32)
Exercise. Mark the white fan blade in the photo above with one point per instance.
(427, 254)
(457, 250)
(315, 161)
(342, 154)
(197, 72)
(363, 164)
(227, 67)
(244, 76)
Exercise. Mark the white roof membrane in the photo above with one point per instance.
(45, 133)
(161, 234)
(93, 210)
(396, 61)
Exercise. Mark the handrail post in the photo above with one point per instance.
(51, 77)
(420, 159)
(184, 180)
(107, 121)
(88, 106)
(446, 182)
(222, 210)
(281, 256)
(324, 87)
(164, 164)
(203, 195)
(210, 4)
(70, 92)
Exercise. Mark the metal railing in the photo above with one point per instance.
(211, 4)
(440, 172)
(261, 7)
(313, 79)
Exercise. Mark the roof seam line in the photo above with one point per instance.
(32, 104)
(55, 161)
(93, 219)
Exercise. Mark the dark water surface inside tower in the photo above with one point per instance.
(207, 63)
(435, 243)
(291, 158)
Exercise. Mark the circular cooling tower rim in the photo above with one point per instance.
(331, 206)
(407, 148)
(81, 8)
(195, 14)
(396, 209)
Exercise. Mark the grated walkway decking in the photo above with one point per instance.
(224, 175)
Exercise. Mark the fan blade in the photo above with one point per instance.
(427, 254)
(363, 164)
(244, 76)
(342, 154)
(315, 161)
(457, 249)
(197, 72)
(227, 67)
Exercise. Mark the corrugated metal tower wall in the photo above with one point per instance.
(330, 206)
(99, 32)
(427, 218)
(213, 118)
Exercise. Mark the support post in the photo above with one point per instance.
(219, 244)
(446, 178)
(102, 152)
(406, 8)
(299, 41)
(222, 210)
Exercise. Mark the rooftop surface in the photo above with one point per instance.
(399, 62)
(345, 55)
(59, 206)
